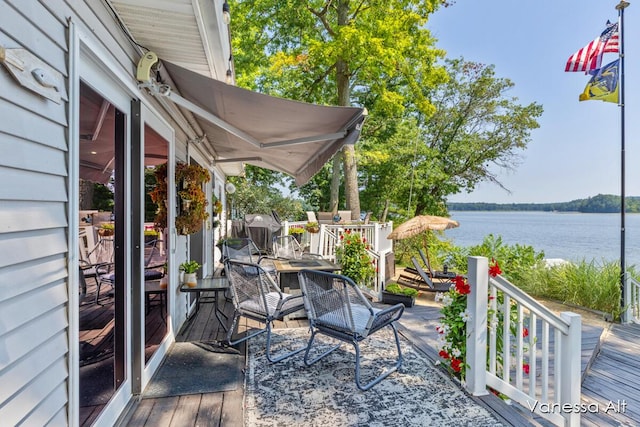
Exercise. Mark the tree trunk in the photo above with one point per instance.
(351, 181)
(352, 195)
(86, 195)
(385, 211)
(335, 183)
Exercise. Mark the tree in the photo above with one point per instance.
(475, 128)
(372, 53)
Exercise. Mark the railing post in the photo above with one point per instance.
(478, 277)
(627, 312)
(570, 383)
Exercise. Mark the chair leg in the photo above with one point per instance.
(310, 344)
(247, 336)
(385, 373)
(283, 356)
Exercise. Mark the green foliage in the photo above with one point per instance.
(189, 266)
(355, 262)
(452, 330)
(394, 288)
(260, 192)
(602, 203)
(586, 284)
(102, 198)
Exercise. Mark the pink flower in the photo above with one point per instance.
(525, 332)
(525, 368)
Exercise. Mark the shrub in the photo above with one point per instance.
(353, 258)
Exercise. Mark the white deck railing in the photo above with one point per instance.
(324, 243)
(633, 299)
(548, 344)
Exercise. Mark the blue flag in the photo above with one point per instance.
(603, 85)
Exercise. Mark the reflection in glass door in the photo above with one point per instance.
(155, 240)
(102, 292)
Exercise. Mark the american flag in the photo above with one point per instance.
(590, 57)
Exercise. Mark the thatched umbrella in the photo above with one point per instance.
(422, 224)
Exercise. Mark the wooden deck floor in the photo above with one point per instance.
(608, 374)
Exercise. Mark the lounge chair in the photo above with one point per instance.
(335, 307)
(431, 272)
(256, 296)
(421, 280)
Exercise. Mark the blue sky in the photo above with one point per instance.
(576, 151)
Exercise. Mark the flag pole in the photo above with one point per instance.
(623, 268)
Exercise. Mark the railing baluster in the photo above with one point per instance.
(506, 339)
(519, 349)
(533, 359)
(493, 303)
(544, 380)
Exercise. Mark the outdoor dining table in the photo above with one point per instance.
(288, 269)
(217, 285)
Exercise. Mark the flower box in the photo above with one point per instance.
(389, 298)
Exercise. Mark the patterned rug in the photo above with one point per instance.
(290, 393)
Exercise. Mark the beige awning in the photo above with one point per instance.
(293, 137)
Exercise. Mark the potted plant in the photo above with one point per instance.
(312, 227)
(106, 229)
(190, 269)
(394, 294)
(296, 232)
(355, 262)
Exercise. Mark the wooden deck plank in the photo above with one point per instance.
(140, 416)
(162, 411)
(210, 411)
(186, 410)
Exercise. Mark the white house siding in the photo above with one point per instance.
(34, 339)
(35, 314)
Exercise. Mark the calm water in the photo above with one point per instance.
(571, 236)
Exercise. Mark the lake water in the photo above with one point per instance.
(570, 236)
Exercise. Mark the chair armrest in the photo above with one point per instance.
(387, 316)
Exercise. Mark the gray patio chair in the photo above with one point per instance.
(336, 308)
(244, 249)
(256, 296)
(288, 247)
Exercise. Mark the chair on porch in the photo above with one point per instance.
(335, 307)
(245, 250)
(288, 247)
(153, 268)
(256, 296)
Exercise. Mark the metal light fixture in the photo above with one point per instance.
(229, 77)
(226, 12)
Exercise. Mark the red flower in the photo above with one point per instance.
(348, 232)
(462, 287)
(342, 237)
(525, 332)
(364, 239)
(494, 268)
(444, 354)
(456, 364)
(525, 368)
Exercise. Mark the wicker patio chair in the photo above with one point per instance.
(256, 296)
(288, 247)
(336, 308)
(244, 249)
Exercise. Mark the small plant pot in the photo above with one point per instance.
(389, 298)
(190, 279)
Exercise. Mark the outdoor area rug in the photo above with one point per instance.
(290, 393)
(196, 367)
